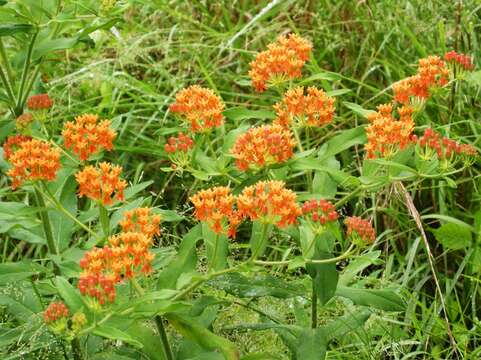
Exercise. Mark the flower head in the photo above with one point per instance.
(131, 253)
(39, 102)
(141, 220)
(321, 211)
(465, 62)
(55, 311)
(200, 107)
(13, 144)
(298, 109)
(385, 134)
(88, 135)
(270, 202)
(283, 59)
(181, 143)
(102, 183)
(23, 121)
(33, 160)
(444, 147)
(360, 227)
(263, 146)
(215, 206)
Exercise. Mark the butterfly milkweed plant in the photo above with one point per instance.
(239, 180)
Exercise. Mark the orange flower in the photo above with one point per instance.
(181, 143)
(432, 72)
(54, 312)
(215, 206)
(13, 144)
(263, 146)
(282, 59)
(361, 228)
(385, 134)
(132, 255)
(102, 184)
(33, 160)
(321, 211)
(313, 109)
(23, 121)
(87, 135)
(39, 102)
(141, 220)
(269, 202)
(100, 274)
(201, 107)
(464, 61)
(444, 147)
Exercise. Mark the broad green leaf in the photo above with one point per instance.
(324, 277)
(357, 265)
(357, 109)
(113, 333)
(350, 322)
(382, 299)
(144, 334)
(11, 272)
(453, 236)
(311, 345)
(217, 246)
(12, 29)
(474, 78)
(130, 192)
(69, 294)
(241, 113)
(343, 141)
(259, 238)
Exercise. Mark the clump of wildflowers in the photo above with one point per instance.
(263, 146)
(13, 144)
(56, 316)
(88, 135)
(215, 206)
(321, 211)
(179, 150)
(39, 102)
(270, 203)
(101, 184)
(299, 109)
(201, 108)
(33, 160)
(443, 147)
(282, 60)
(131, 254)
(462, 61)
(141, 220)
(360, 229)
(385, 134)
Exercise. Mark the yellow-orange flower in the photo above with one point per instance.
(270, 202)
(141, 220)
(101, 184)
(263, 146)
(298, 109)
(13, 144)
(464, 61)
(215, 206)
(360, 227)
(282, 59)
(200, 107)
(87, 135)
(33, 160)
(131, 250)
(39, 102)
(385, 134)
(432, 72)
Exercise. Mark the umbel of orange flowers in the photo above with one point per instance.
(299, 109)
(282, 60)
(201, 108)
(263, 146)
(32, 160)
(101, 184)
(88, 135)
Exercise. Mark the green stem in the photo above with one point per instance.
(104, 220)
(26, 67)
(3, 55)
(76, 349)
(8, 89)
(262, 242)
(314, 308)
(29, 86)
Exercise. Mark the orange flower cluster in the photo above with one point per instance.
(102, 184)
(361, 227)
(23, 121)
(33, 160)
(263, 146)
(215, 206)
(55, 311)
(464, 61)
(269, 202)
(181, 143)
(432, 72)
(385, 134)
(284, 58)
(142, 221)
(39, 102)
(321, 211)
(132, 253)
(201, 107)
(13, 144)
(313, 109)
(445, 147)
(87, 135)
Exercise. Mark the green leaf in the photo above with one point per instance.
(257, 286)
(359, 264)
(345, 324)
(217, 246)
(113, 333)
(11, 272)
(311, 345)
(168, 215)
(241, 113)
(343, 141)
(69, 294)
(12, 29)
(134, 190)
(357, 109)
(382, 299)
(474, 78)
(324, 277)
(144, 334)
(453, 236)
(259, 238)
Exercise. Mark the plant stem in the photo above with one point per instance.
(262, 241)
(47, 226)
(26, 67)
(216, 250)
(76, 349)
(313, 308)
(104, 220)
(8, 89)
(3, 55)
